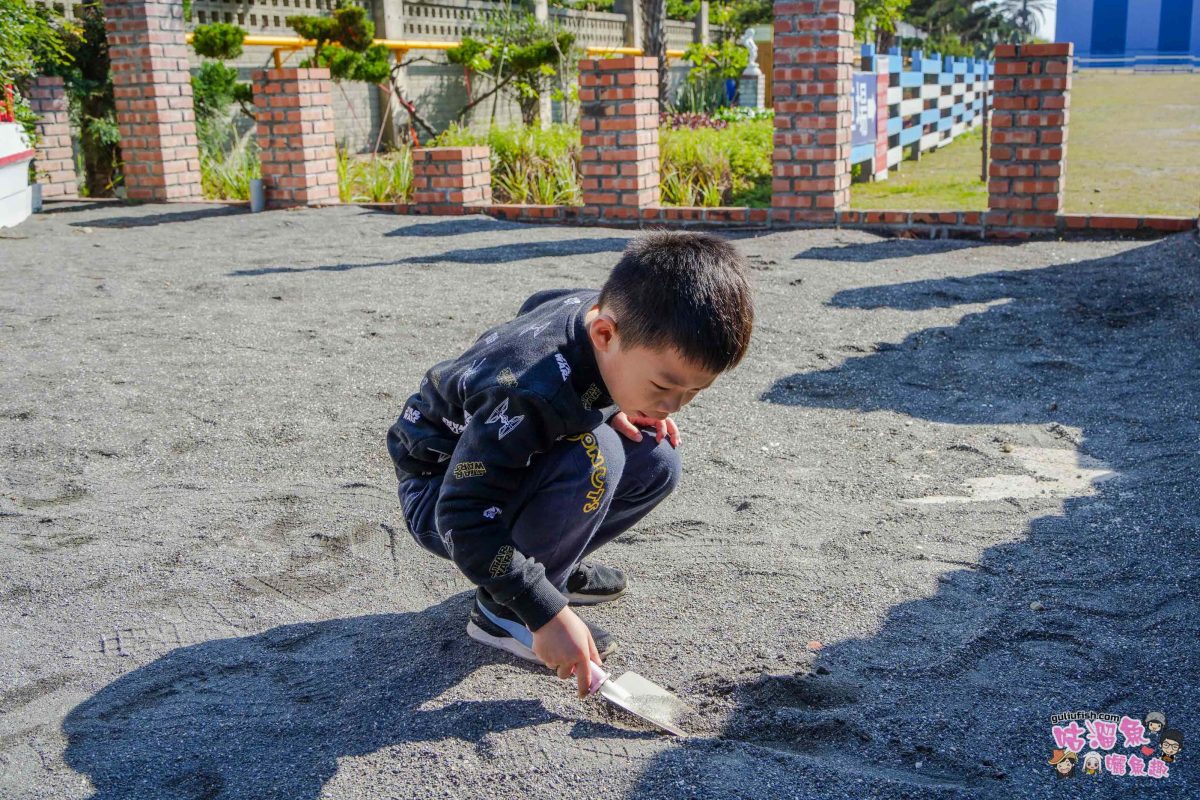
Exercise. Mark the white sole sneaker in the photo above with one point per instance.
(484, 632)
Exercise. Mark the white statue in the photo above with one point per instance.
(747, 41)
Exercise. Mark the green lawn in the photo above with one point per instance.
(1133, 147)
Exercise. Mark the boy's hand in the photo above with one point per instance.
(565, 644)
(628, 426)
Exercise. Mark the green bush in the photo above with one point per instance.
(706, 166)
(226, 174)
(386, 178)
(702, 166)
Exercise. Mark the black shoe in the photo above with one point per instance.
(594, 583)
(497, 626)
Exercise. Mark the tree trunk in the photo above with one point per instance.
(654, 12)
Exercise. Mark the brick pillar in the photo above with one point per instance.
(814, 56)
(1031, 100)
(451, 180)
(295, 136)
(54, 162)
(618, 100)
(153, 93)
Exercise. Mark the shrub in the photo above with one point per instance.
(386, 178)
(710, 166)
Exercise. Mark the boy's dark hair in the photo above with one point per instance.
(685, 290)
(1173, 734)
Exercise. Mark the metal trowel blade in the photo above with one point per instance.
(644, 699)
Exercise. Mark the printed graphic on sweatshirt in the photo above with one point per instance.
(411, 414)
(491, 338)
(599, 471)
(572, 301)
(506, 378)
(590, 396)
(536, 329)
(446, 542)
(492, 512)
(453, 427)
(469, 373)
(442, 457)
(500, 414)
(563, 366)
(469, 469)
(502, 561)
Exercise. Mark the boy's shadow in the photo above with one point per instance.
(269, 715)
(1091, 607)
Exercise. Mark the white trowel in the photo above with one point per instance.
(640, 697)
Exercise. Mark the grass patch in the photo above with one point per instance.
(1133, 147)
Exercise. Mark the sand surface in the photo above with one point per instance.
(969, 471)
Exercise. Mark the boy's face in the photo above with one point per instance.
(643, 382)
(1170, 747)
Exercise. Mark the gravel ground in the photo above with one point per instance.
(950, 493)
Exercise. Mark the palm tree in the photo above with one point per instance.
(1022, 13)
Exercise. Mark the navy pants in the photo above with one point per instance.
(595, 486)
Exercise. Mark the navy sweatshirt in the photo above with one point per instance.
(480, 419)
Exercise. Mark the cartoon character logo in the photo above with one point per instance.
(1170, 745)
(1155, 721)
(1064, 762)
(1093, 764)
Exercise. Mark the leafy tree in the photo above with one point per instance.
(216, 86)
(343, 44)
(1022, 14)
(32, 42)
(520, 54)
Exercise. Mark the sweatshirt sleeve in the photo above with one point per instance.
(506, 428)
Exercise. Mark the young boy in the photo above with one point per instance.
(509, 458)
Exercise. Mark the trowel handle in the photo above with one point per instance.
(597, 675)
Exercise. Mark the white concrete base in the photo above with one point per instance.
(16, 201)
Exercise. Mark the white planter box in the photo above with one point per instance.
(15, 155)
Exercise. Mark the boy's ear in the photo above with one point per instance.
(603, 331)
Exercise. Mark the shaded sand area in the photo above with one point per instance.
(967, 470)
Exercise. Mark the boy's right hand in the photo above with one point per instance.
(565, 644)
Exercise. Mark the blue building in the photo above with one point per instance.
(1131, 33)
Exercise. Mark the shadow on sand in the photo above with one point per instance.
(953, 696)
(270, 715)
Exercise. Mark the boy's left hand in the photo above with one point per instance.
(628, 426)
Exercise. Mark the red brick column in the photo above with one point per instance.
(814, 56)
(1031, 102)
(153, 94)
(294, 121)
(618, 100)
(451, 180)
(54, 161)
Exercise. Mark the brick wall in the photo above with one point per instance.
(54, 162)
(451, 180)
(153, 93)
(814, 56)
(295, 136)
(618, 100)
(1031, 102)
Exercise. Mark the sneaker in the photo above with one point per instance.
(497, 626)
(594, 583)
